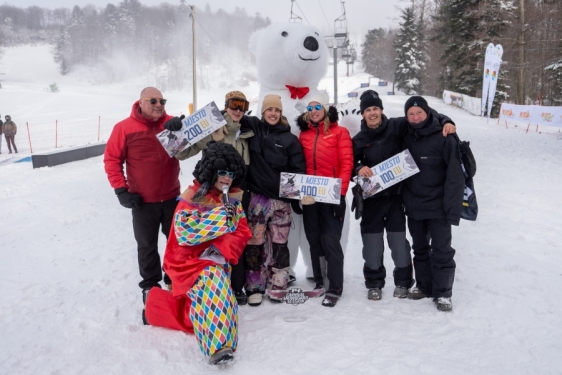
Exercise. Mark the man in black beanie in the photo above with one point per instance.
(379, 139)
(416, 101)
(433, 200)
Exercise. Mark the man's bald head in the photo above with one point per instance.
(149, 110)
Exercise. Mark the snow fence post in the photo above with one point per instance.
(29, 137)
(56, 133)
(99, 122)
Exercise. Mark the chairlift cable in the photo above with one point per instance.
(302, 13)
(326, 18)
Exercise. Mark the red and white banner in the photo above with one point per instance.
(533, 114)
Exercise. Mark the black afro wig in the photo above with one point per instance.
(219, 156)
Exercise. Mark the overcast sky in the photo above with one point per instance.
(362, 15)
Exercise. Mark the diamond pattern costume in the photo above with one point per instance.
(202, 301)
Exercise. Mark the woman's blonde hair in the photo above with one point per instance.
(326, 120)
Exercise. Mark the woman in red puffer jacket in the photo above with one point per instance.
(329, 153)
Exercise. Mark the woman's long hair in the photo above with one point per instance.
(325, 120)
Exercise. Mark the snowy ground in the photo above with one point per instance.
(70, 302)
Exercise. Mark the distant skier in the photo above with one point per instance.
(10, 130)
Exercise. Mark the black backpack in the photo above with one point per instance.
(468, 162)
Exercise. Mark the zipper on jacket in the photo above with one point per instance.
(314, 148)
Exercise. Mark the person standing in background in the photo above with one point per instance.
(1, 123)
(10, 130)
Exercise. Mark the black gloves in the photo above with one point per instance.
(127, 199)
(339, 209)
(174, 124)
(357, 203)
(230, 210)
(295, 205)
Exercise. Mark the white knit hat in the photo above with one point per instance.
(320, 97)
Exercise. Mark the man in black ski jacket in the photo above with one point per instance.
(433, 200)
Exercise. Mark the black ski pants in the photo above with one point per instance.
(380, 213)
(238, 271)
(323, 232)
(433, 256)
(147, 221)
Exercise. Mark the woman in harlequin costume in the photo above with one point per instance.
(207, 236)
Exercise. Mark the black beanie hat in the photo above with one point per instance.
(416, 101)
(370, 98)
(218, 156)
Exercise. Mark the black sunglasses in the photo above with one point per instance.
(153, 101)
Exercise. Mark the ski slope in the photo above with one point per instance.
(70, 303)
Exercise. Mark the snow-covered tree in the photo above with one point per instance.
(457, 33)
(555, 72)
(410, 58)
(377, 54)
(62, 52)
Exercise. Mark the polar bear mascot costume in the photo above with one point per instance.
(291, 60)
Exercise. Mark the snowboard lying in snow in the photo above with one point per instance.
(294, 296)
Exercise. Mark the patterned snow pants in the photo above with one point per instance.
(214, 311)
(267, 257)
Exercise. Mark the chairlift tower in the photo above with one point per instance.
(338, 40)
(294, 18)
(349, 55)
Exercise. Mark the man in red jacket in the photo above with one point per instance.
(150, 184)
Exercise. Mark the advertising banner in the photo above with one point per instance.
(388, 173)
(496, 62)
(534, 114)
(487, 75)
(468, 103)
(195, 127)
(323, 189)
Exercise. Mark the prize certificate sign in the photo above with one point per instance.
(194, 128)
(323, 189)
(388, 173)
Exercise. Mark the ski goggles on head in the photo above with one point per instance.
(222, 173)
(317, 107)
(153, 101)
(237, 104)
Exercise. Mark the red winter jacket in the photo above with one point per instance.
(150, 171)
(328, 154)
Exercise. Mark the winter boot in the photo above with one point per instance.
(415, 293)
(145, 293)
(444, 304)
(144, 321)
(329, 301)
(318, 287)
(255, 299)
(400, 292)
(374, 294)
(223, 356)
(241, 297)
(279, 278)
